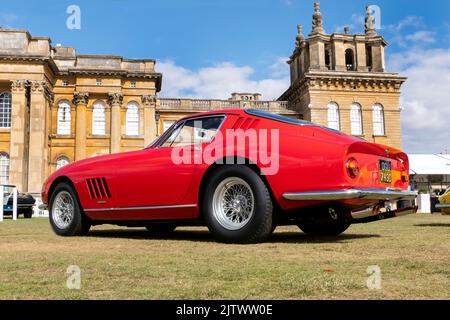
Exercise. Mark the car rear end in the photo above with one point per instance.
(375, 166)
(379, 175)
(374, 184)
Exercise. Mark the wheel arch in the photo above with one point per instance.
(233, 160)
(58, 181)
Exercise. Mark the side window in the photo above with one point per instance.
(193, 131)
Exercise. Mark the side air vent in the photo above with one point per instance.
(244, 123)
(98, 188)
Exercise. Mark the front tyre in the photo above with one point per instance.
(66, 216)
(330, 229)
(237, 206)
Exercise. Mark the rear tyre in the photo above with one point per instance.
(237, 206)
(161, 229)
(65, 213)
(28, 214)
(330, 229)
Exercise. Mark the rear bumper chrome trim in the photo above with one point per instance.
(142, 208)
(443, 206)
(369, 194)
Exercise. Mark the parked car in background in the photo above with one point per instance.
(25, 203)
(444, 202)
(314, 177)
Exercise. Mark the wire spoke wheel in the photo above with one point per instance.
(233, 203)
(63, 210)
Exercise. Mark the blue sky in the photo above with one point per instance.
(208, 48)
(199, 33)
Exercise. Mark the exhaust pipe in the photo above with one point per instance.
(365, 213)
(374, 214)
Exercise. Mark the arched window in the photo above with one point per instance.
(378, 120)
(61, 162)
(64, 118)
(4, 168)
(132, 119)
(356, 119)
(333, 116)
(98, 119)
(5, 110)
(349, 59)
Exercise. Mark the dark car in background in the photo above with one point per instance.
(25, 203)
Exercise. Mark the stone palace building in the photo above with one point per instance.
(58, 106)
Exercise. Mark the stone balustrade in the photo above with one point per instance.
(208, 105)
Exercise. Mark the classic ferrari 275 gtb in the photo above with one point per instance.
(241, 173)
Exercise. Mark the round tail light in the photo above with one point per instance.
(352, 168)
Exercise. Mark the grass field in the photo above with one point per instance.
(119, 263)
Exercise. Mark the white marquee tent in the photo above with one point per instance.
(429, 164)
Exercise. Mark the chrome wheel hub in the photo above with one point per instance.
(63, 210)
(233, 203)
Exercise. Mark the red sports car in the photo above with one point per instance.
(241, 173)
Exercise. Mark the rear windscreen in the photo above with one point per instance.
(277, 117)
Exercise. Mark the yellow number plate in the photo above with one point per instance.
(385, 172)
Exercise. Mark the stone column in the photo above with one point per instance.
(361, 59)
(37, 154)
(317, 54)
(19, 136)
(115, 101)
(378, 58)
(339, 55)
(80, 100)
(150, 130)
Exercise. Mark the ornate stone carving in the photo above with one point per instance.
(115, 98)
(370, 22)
(149, 100)
(300, 38)
(80, 98)
(18, 85)
(38, 86)
(317, 21)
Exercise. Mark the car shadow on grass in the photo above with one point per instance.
(205, 236)
(433, 225)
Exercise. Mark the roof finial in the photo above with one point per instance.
(317, 22)
(300, 38)
(370, 22)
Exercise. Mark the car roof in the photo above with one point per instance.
(249, 112)
(215, 112)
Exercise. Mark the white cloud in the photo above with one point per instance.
(425, 99)
(220, 80)
(409, 21)
(422, 36)
(280, 68)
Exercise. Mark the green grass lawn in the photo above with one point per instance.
(119, 263)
